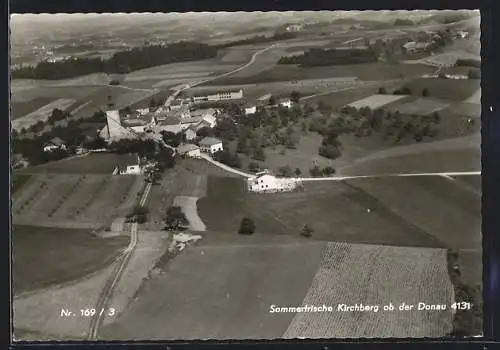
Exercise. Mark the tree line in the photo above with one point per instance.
(326, 57)
(121, 62)
(133, 59)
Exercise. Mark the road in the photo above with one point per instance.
(341, 178)
(193, 84)
(108, 289)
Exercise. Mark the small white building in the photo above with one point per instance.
(189, 150)
(143, 111)
(54, 144)
(211, 145)
(250, 110)
(287, 103)
(129, 164)
(264, 182)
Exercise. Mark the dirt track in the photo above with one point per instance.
(188, 205)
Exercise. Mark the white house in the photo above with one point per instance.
(250, 110)
(143, 111)
(264, 182)
(211, 145)
(189, 150)
(287, 103)
(129, 164)
(54, 144)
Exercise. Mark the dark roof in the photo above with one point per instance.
(170, 121)
(184, 148)
(209, 141)
(56, 141)
(127, 159)
(191, 120)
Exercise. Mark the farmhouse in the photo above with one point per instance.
(129, 164)
(211, 145)
(266, 182)
(189, 150)
(219, 96)
(250, 109)
(413, 47)
(286, 102)
(54, 144)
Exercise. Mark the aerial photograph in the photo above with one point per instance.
(246, 175)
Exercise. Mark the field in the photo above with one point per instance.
(41, 114)
(84, 80)
(447, 89)
(39, 261)
(40, 312)
(448, 58)
(475, 98)
(377, 275)
(96, 163)
(406, 158)
(366, 71)
(74, 201)
(376, 101)
(422, 107)
(252, 277)
(132, 97)
(232, 303)
(20, 109)
(18, 181)
(175, 74)
(337, 212)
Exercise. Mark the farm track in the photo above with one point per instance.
(108, 289)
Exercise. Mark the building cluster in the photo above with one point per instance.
(251, 108)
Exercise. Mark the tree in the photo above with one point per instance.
(138, 214)
(272, 100)
(295, 96)
(258, 154)
(307, 231)
(285, 171)
(228, 158)
(254, 167)
(382, 91)
(328, 171)
(175, 218)
(247, 226)
(298, 172)
(316, 171)
(425, 92)
(329, 151)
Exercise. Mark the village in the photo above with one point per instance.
(343, 140)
